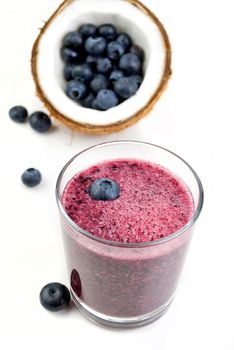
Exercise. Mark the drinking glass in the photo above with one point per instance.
(125, 284)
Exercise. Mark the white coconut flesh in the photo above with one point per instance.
(127, 18)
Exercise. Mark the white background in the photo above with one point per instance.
(193, 118)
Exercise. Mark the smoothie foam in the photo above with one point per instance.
(153, 202)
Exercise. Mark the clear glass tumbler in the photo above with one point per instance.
(125, 284)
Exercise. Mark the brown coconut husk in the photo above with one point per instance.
(111, 128)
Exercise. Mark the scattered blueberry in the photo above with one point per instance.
(73, 40)
(104, 190)
(107, 31)
(67, 72)
(82, 72)
(107, 99)
(95, 45)
(92, 61)
(99, 82)
(104, 66)
(126, 87)
(76, 90)
(115, 50)
(70, 56)
(18, 114)
(55, 297)
(115, 75)
(31, 177)
(130, 63)
(125, 40)
(87, 30)
(87, 102)
(137, 50)
(40, 122)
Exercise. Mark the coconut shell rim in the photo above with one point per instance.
(114, 127)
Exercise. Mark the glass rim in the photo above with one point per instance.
(170, 237)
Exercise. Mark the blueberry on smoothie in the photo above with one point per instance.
(55, 297)
(104, 190)
(31, 177)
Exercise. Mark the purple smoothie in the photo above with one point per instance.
(125, 281)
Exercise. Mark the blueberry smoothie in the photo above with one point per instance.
(127, 206)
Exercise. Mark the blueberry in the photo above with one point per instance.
(70, 56)
(107, 99)
(104, 65)
(125, 40)
(92, 61)
(95, 105)
(115, 50)
(115, 75)
(82, 72)
(137, 78)
(126, 87)
(67, 72)
(87, 102)
(104, 190)
(107, 31)
(73, 40)
(95, 45)
(40, 121)
(99, 82)
(55, 297)
(18, 114)
(137, 50)
(76, 90)
(87, 30)
(130, 63)
(31, 177)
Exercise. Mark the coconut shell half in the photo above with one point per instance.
(51, 91)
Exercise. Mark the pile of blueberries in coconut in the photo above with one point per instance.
(103, 67)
